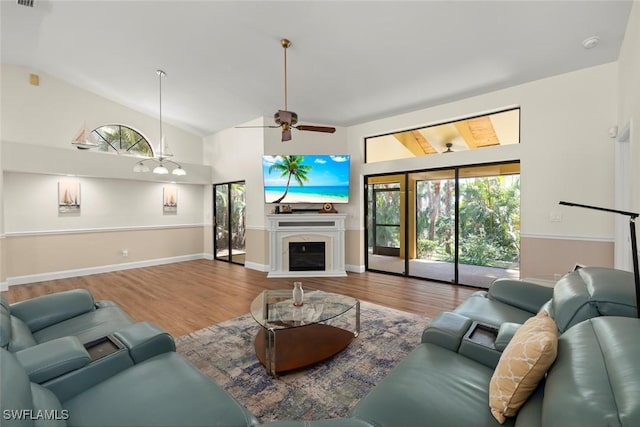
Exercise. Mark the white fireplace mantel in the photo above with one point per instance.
(306, 227)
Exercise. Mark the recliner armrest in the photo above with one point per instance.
(505, 333)
(525, 295)
(145, 340)
(447, 330)
(43, 311)
(53, 358)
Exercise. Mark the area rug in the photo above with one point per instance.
(225, 353)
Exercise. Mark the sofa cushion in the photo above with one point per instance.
(15, 390)
(484, 309)
(522, 365)
(431, 386)
(88, 326)
(47, 310)
(20, 335)
(165, 390)
(590, 292)
(595, 379)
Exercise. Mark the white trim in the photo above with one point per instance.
(321, 227)
(355, 268)
(208, 256)
(560, 237)
(4, 286)
(262, 228)
(65, 274)
(100, 230)
(255, 266)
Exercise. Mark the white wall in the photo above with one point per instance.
(52, 113)
(565, 152)
(31, 204)
(236, 155)
(629, 96)
(2, 267)
(120, 209)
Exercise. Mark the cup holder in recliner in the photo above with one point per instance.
(103, 347)
(482, 334)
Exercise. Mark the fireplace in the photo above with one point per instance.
(306, 256)
(317, 238)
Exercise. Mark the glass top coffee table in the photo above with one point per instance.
(293, 337)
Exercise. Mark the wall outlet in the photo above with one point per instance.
(555, 216)
(125, 253)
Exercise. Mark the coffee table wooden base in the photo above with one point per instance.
(297, 348)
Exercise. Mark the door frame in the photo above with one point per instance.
(215, 225)
(404, 192)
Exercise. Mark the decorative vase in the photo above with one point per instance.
(298, 294)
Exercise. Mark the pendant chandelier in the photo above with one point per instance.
(160, 164)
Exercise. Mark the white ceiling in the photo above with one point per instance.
(350, 61)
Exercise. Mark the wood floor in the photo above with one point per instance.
(187, 296)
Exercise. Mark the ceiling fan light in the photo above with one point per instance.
(160, 170)
(179, 171)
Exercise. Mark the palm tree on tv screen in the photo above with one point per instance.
(290, 166)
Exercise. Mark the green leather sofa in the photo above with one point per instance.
(594, 381)
(444, 381)
(162, 390)
(582, 294)
(70, 313)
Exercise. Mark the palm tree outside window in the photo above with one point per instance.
(121, 139)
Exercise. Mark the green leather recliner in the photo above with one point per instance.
(582, 294)
(70, 313)
(164, 390)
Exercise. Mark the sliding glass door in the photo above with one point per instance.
(432, 251)
(385, 224)
(489, 223)
(460, 225)
(229, 228)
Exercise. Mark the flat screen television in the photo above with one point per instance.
(306, 178)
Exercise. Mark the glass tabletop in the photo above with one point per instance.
(274, 309)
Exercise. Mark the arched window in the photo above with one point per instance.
(121, 139)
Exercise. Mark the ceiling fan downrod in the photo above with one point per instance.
(285, 44)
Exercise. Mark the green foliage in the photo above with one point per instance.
(426, 248)
(489, 220)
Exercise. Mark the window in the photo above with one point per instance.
(490, 130)
(121, 139)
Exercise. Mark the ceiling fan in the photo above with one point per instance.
(285, 119)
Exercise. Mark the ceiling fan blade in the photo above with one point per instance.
(286, 135)
(312, 128)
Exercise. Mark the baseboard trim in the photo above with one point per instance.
(355, 268)
(65, 274)
(255, 266)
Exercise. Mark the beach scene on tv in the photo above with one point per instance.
(306, 179)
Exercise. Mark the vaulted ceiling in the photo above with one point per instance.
(350, 61)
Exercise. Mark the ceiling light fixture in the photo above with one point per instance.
(161, 161)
